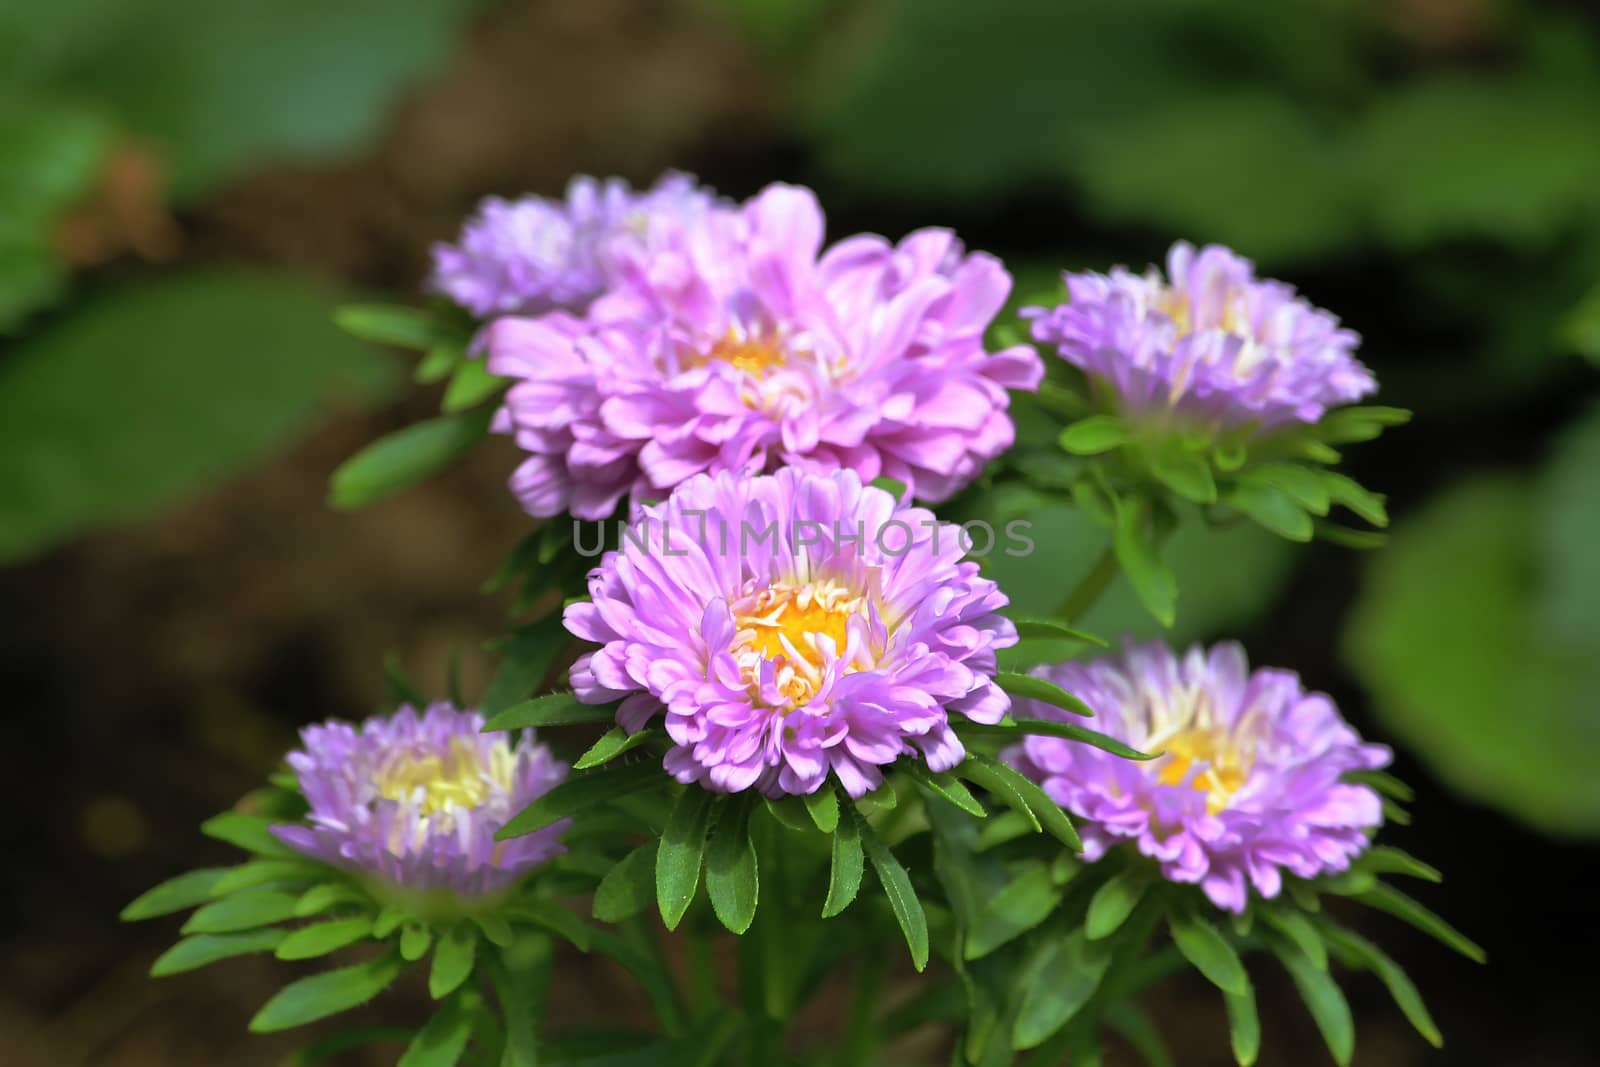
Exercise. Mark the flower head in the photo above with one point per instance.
(792, 625)
(536, 254)
(412, 802)
(738, 344)
(1210, 343)
(1250, 784)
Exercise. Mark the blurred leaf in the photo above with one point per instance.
(405, 457)
(224, 86)
(1023, 904)
(321, 938)
(1204, 946)
(1445, 657)
(322, 995)
(453, 957)
(1244, 1025)
(443, 1039)
(629, 887)
(204, 949)
(1113, 902)
(1324, 1000)
(581, 791)
(244, 910)
(1569, 535)
(1057, 984)
(1581, 329)
(157, 388)
(175, 894)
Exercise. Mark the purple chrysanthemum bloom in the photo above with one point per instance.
(537, 254)
(412, 802)
(1210, 343)
(1251, 783)
(738, 344)
(790, 625)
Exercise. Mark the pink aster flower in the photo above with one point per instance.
(1210, 342)
(792, 626)
(537, 254)
(412, 802)
(739, 344)
(1251, 784)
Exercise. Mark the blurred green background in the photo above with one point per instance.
(188, 187)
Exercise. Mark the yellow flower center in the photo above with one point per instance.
(442, 783)
(755, 355)
(783, 623)
(1226, 764)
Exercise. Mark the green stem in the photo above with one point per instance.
(1093, 585)
(518, 973)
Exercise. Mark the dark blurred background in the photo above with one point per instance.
(188, 187)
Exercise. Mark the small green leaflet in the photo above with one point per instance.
(682, 850)
(845, 871)
(203, 949)
(321, 938)
(1057, 985)
(175, 894)
(613, 743)
(1323, 999)
(330, 993)
(453, 957)
(731, 877)
(896, 886)
(1244, 1025)
(1203, 945)
(580, 792)
(1113, 902)
(629, 887)
(553, 709)
(1041, 689)
(1356, 951)
(244, 910)
(405, 457)
(443, 1039)
(824, 808)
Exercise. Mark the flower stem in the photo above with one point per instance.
(1090, 588)
(518, 973)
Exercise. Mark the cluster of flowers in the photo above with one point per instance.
(703, 360)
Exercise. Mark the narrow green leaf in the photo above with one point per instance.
(319, 898)
(1273, 509)
(1386, 859)
(1057, 987)
(987, 775)
(629, 887)
(896, 886)
(553, 709)
(439, 363)
(1051, 630)
(1048, 813)
(582, 791)
(470, 386)
(1306, 486)
(387, 922)
(1356, 951)
(319, 939)
(203, 949)
(336, 1045)
(946, 785)
(496, 928)
(1387, 898)
(176, 894)
(847, 867)
(527, 655)
(249, 832)
(1385, 783)
(791, 812)
(244, 910)
(1186, 474)
(1113, 902)
(1244, 1025)
(265, 872)
(453, 957)
(1345, 491)
(1300, 931)
(415, 938)
(405, 457)
(1140, 560)
(556, 919)
(1137, 1029)
(441, 1042)
(1007, 826)
(731, 876)
(893, 486)
(1047, 728)
(330, 993)
(682, 850)
(823, 806)
(1203, 945)
(1024, 903)
(1031, 688)
(387, 324)
(1094, 435)
(1324, 1000)
(613, 743)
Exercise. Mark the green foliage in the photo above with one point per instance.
(329, 993)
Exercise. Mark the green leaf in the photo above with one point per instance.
(845, 871)
(791, 812)
(1386, 859)
(443, 1039)
(1113, 902)
(1094, 435)
(231, 365)
(249, 832)
(1347, 492)
(471, 386)
(554, 709)
(244, 910)
(388, 324)
(613, 743)
(731, 876)
(1244, 1025)
(1141, 561)
(453, 958)
(682, 850)
(556, 919)
(946, 785)
(823, 806)
(1024, 903)
(439, 363)
(580, 792)
(1015, 728)
(415, 939)
(1356, 951)
(319, 898)
(330, 993)
(175, 894)
(1186, 474)
(1141, 1034)
(1028, 687)
(896, 887)
(1389, 899)
(893, 486)
(1273, 509)
(1057, 986)
(405, 457)
(1300, 931)
(527, 655)
(1323, 999)
(629, 887)
(336, 1045)
(496, 928)
(266, 872)
(1021, 794)
(204, 949)
(1051, 630)
(1308, 487)
(321, 938)
(1203, 945)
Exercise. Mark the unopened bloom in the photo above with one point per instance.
(1251, 783)
(790, 626)
(539, 254)
(738, 344)
(1210, 343)
(412, 802)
